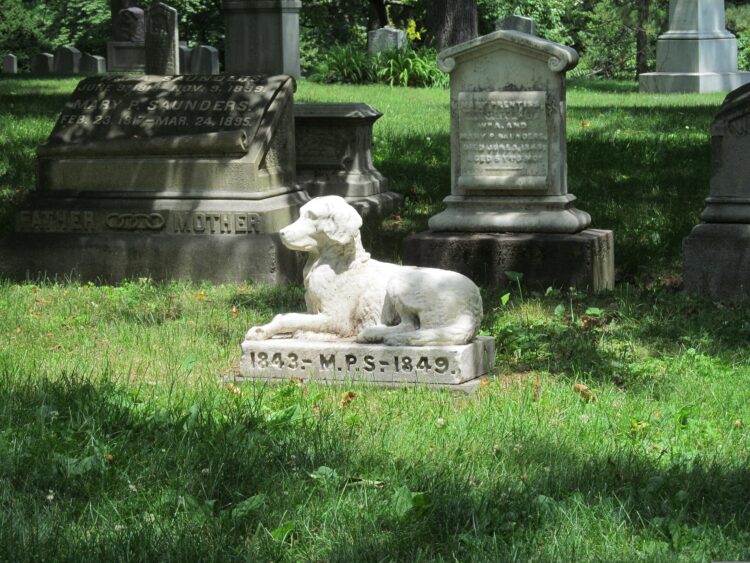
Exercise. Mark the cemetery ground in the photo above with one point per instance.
(616, 428)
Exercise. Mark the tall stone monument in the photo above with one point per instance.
(126, 51)
(697, 53)
(262, 36)
(509, 208)
(162, 40)
(179, 177)
(716, 254)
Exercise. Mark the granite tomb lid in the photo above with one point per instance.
(202, 114)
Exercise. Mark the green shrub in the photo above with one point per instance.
(410, 67)
(343, 64)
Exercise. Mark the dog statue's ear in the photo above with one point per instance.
(344, 222)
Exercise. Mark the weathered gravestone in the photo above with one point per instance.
(517, 23)
(43, 63)
(262, 36)
(126, 51)
(67, 60)
(385, 39)
(162, 40)
(185, 54)
(368, 320)
(716, 254)
(204, 60)
(697, 53)
(93, 64)
(170, 177)
(334, 155)
(10, 64)
(509, 208)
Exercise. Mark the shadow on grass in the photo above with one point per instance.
(100, 470)
(605, 86)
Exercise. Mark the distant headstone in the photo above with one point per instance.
(262, 36)
(10, 64)
(184, 177)
(204, 60)
(697, 53)
(385, 39)
(67, 60)
(162, 41)
(509, 208)
(125, 53)
(93, 64)
(185, 54)
(43, 63)
(716, 254)
(334, 155)
(517, 23)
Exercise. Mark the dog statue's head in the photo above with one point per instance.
(322, 221)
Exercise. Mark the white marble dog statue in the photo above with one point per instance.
(351, 296)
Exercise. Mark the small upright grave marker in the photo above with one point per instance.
(204, 60)
(125, 53)
(93, 64)
(162, 41)
(10, 64)
(67, 60)
(43, 63)
(385, 39)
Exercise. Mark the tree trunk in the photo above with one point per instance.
(641, 38)
(379, 8)
(450, 22)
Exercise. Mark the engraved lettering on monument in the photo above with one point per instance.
(503, 140)
(162, 46)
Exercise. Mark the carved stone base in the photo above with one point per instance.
(584, 260)
(126, 56)
(716, 261)
(685, 82)
(284, 358)
(109, 240)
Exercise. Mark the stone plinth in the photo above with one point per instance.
(334, 155)
(385, 39)
(262, 36)
(170, 177)
(697, 53)
(583, 260)
(126, 56)
(283, 358)
(717, 253)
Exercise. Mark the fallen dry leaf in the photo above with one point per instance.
(18, 330)
(585, 124)
(232, 388)
(201, 295)
(537, 389)
(235, 312)
(485, 382)
(738, 423)
(584, 392)
(346, 398)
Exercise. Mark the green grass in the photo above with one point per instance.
(117, 442)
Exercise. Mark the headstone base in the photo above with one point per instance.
(697, 82)
(284, 358)
(126, 56)
(110, 240)
(511, 214)
(583, 260)
(716, 261)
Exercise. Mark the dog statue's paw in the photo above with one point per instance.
(257, 333)
(370, 334)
